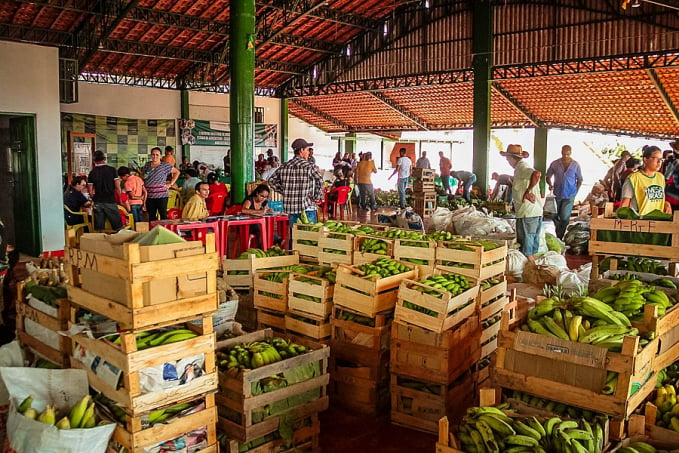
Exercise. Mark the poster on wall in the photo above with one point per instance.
(218, 133)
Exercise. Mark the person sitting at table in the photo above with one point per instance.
(257, 204)
(195, 208)
(342, 179)
(75, 200)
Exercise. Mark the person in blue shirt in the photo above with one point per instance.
(564, 178)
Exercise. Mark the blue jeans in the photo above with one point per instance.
(564, 207)
(468, 187)
(401, 186)
(137, 213)
(528, 234)
(366, 194)
(310, 214)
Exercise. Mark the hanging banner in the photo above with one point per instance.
(217, 133)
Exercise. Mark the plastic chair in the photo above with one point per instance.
(126, 217)
(175, 200)
(174, 214)
(343, 195)
(215, 203)
(80, 227)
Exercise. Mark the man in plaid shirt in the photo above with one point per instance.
(300, 183)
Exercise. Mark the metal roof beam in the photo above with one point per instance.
(121, 10)
(398, 108)
(311, 109)
(662, 91)
(535, 121)
(320, 12)
(43, 36)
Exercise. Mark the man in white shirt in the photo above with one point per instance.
(403, 166)
(423, 161)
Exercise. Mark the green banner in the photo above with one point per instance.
(217, 133)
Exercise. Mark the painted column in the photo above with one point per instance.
(540, 154)
(482, 60)
(185, 115)
(242, 96)
(283, 133)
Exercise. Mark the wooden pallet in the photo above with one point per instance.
(371, 295)
(574, 373)
(336, 248)
(271, 320)
(421, 410)
(479, 263)
(136, 435)
(305, 438)
(366, 257)
(436, 357)
(270, 295)
(449, 310)
(131, 273)
(302, 232)
(423, 256)
(321, 290)
(637, 231)
(354, 334)
(239, 274)
(236, 397)
(44, 320)
(126, 358)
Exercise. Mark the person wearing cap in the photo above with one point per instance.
(169, 156)
(403, 166)
(300, 183)
(527, 207)
(564, 178)
(104, 186)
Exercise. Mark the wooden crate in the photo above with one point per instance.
(637, 230)
(574, 373)
(426, 174)
(307, 325)
(666, 329)
(436, 357)
(247, 313)
(269, 295)
(424, 199)
(303, 232)
(124, 268)
(353, 334)
(134, 436)
(239, 274)
(479, 263)
(371, 295)
(235, 391)
(424, 186)
(449, 310)
(271, 320)
(489, 337)
(366, 257)
(360, 395)
(668, 437)
(425, 256)
(336, 248)
(422, 409)
(304, 439)
(130, 396)
(44, 320)
(323, 291)
(489, 300)
(361, 363)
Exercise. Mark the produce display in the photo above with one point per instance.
(438, 286)
(471, 246)
(668, 408)
(150, 339)
(80, 416)
(373, 245)
(489, 429)
(634, 264)
(382, 267)
(152, 418)
(358, 319)
(256, 354)
(259, 253)
(629, 297)
(279, 274)
(555, 407)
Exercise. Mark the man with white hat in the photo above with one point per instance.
(300, 183)
(527, 206)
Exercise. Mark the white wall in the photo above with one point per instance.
(324, 146)
(29, 77)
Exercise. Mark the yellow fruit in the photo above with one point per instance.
(75, 417)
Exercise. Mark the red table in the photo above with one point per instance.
(195, 230)
(280, 222)
(243, 224)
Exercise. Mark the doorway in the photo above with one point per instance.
(20, 209)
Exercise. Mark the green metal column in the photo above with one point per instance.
(350, 142)
(185, 115)
(482, 49)
(284, 130)
(540, 154)
(242, 96)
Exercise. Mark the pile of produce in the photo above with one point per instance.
(555, 407)
(554, 244)
(259, 253)
(668, 408)
(323, 272)
(382, 268)
(451, 284)
(631, 296)
(256, 354)
(281, 273)
(358, 319)
(374, 245)
(634, 264)
(81, 415)
(150, 339)
(396, 233)
(48, 293)
(440, 236)
(488, 429)
(471, 246)
(152, 418)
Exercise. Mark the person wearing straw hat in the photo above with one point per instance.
(526, 194)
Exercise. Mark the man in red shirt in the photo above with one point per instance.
(133, 186)
(445, 165)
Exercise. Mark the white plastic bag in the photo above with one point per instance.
(516, 261)
(10, 356)
(549, 209)
(552, 259)
(573, 280)
(62, 389)
(441, 220)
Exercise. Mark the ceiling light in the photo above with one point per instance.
(385, 29)
(636, 3)
(348, 50)
(426, 3)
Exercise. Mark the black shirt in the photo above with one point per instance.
(103, 178)
(74, 200)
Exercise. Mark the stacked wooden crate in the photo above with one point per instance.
(305, 240)
(361, 323)
(254, 419)
(141, 289)
(424, 192)
(435, 342)
(310, 306)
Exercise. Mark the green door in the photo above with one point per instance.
(25, 169)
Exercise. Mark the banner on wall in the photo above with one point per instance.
(217, 133)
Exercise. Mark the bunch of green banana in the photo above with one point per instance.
(635, 264)
(81, 415)
(364, 229)
(631, 296)
(256, 354)
(440, 236)
(162, 415)
(490, 321)
(334, 251)
(382, 267)
(471, 245)
(279, 274)
(345, 315)
(668, 408)
(259, 253)
(554, 407)
(488, 429)
(458, 264)
(453, 284)
(307, 242)
(489, 283)
(419, 386)
(374, 245)
(152, 338)
(324, 272)
(642, 447)
(396, 233)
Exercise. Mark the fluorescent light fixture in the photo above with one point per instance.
(636, 3)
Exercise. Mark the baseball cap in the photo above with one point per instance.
(301, 143)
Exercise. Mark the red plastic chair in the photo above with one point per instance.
(343, 194)
(215, 203)
(174, 214)
(234, 210)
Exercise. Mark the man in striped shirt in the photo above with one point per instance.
(300, 183)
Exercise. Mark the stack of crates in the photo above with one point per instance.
(361, 323)
(424, 192)
(144, 293)
(310, 306)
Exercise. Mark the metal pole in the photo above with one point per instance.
(482, 49)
